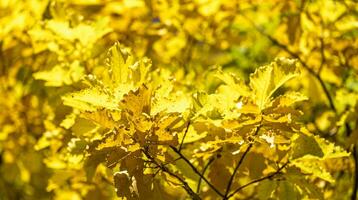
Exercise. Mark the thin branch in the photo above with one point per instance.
(258, 180)
(295, 55)
(323, 57)
(325, 89)
(203, 172)
(236, 170)
(355, 180)
(238, 165)
(182, 141)
(196, 170)
(185, 185)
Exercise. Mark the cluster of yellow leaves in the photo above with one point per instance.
(77, 120)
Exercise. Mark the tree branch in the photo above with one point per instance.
(258, 180)
(196, 171)
(325, 90)
(185, 185)
(238, 166)
(182, 141)
(355, 180)
(203, 172)
(295, 55)
(235, 171)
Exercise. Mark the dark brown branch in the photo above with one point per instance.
(323, 57)
(235, 171)
(185, 185)
(295, 55)
(258, 180)
(238, 166)
(182, 141)
(203, 173)
(325, 89)
(355, 180)
(196, 171)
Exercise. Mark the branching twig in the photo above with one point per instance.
(196, 170)
(238, 166)
(325, 89)
(235, 171)
(203, 173)
(258, 180)
(295, 55)
(185, 185)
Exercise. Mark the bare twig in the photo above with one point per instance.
(355, 180)
(182, 140)
(258, 180)
(325, 89)
(185, 185)
(235, 171)
(323, 57)
(203, 173)
(238, 166)
(295, 55)
(196, 171)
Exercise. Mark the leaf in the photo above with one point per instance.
(68, 121)
(288, 99)
(266, 189)
(331, 150)
(219, 169)
(305, 145)
(165, 128)
(83, 127)
(308, 189)
(111, 139)
(91, 163)
(313, 166)
(138, 101)
(61, 75)
(115, 155)
(119, 60)
(90, 99)
(125, 185)
(104, 118)
(287, 190)
(235, 84)
(77, 146)
(311, 152)
(267, 79)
